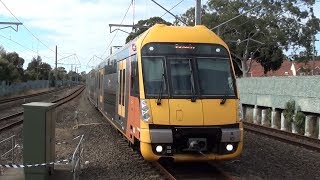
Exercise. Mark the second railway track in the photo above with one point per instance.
(18, 115)
(285, 136)
(6, 100)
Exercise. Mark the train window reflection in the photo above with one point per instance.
(215, 76)
(180, 76)
(153, 74)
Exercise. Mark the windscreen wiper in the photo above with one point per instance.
(193, 97)
(227, 91)
(161, 89)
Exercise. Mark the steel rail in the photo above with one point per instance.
(191, 170)
(164, 171)
(284, 136)
(2, 101)
(11, 116)
(66, 99)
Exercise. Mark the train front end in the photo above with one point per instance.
(188, 97)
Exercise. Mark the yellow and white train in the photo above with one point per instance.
(172, 93)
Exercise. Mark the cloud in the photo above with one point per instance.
(76, 26)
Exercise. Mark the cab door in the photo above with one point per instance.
(122, 92)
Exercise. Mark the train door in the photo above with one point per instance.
(133, 123)
(96, 90)
(101, 89)
(122, 79)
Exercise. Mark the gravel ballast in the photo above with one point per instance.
(266, 158)
(106, 152)
(109, 157)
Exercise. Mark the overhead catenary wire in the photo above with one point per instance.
(172, 8)
(22, 45)
(27, 28)
(117, 31)
(179, 19)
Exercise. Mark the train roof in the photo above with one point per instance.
(164, 33)
(188, 34)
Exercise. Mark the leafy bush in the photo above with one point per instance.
(288, 112)
(299, 121)
(268, 115)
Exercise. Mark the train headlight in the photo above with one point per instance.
(145, 115)
(229, 147)
(159, 149)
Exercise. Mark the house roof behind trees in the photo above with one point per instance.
(288, 68)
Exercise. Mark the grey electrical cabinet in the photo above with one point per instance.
(39, 138)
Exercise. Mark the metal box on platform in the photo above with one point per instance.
(39, 138)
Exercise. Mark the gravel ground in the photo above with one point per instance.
(110, 158)
(18, 131)
(106, 151)
(265, 158)
(262, 157)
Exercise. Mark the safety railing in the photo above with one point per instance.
(76, 157)
(11, 150)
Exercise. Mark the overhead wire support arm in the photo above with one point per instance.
(67, 56)
(11, 23)
(169, 12)
(124, 25)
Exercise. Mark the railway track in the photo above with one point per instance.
(285, 136)
(191, 170)
(19, 117)
(3, 101)
(176, 171)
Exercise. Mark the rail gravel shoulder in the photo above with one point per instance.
(285, 136)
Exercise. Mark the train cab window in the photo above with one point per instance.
(134, 76)
(154, 76)
(215, 76)
(181, 76)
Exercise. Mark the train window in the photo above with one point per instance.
(181, 76)
(123, 85)
(120, 84)
(153, 74)
(134, 76)
(215, 76)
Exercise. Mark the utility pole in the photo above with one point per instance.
(56, 71)
(198, 12)
(313, 54)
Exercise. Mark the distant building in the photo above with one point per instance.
(288, 68)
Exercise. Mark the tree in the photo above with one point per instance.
(83, 76)
(38, 70)
(62, 73)
(4, 70)
(262, 29)
(2, 51)
(11, 66)
(148, 22)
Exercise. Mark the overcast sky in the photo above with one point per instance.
(78, 27)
